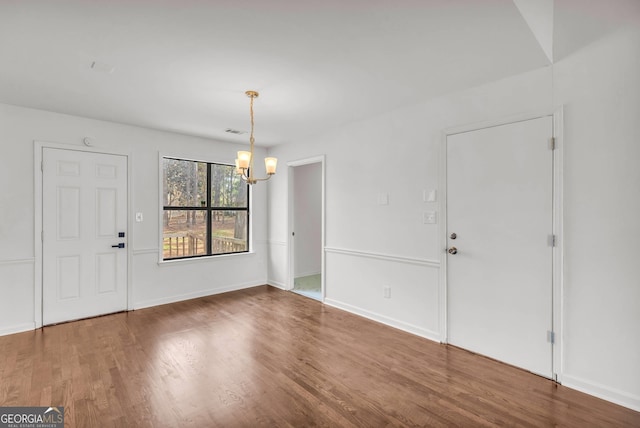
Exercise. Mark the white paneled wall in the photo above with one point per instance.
(151, 283)
(16, 289)
(278, 264)
(356, 281)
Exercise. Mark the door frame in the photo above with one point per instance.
(557, 251)
(38, 147)
(290, 227)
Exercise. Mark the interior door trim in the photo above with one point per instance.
(38, 147)
(557, 261)
(290, 226)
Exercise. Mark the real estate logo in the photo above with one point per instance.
(31, 417)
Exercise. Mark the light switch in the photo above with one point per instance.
(429, 217)
(383, 199)
(429, 195)
(138, 217)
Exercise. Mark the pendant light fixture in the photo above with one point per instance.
(244, 162)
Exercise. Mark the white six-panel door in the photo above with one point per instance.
(84, 205)
(499, 205)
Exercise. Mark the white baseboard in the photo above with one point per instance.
(602, 391)
(277, 284)
(401, 325)
(195, 295)
(17, 328)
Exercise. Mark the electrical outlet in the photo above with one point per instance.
(387, 292)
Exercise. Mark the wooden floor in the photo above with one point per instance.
(265, 357)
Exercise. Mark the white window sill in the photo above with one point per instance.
(203, 258)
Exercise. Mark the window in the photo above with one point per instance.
(205, 210)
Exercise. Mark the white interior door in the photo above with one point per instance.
(499, 206)
(84, 201)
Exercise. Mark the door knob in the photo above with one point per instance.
(453, 250)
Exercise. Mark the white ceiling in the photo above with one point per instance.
(183, 65)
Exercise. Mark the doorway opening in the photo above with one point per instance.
(306, 227)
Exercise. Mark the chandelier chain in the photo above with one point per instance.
(244, 162)
(251, 139)
(251, 112)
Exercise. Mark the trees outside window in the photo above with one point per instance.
(205, 209)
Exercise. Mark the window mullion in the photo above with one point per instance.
(209, 212)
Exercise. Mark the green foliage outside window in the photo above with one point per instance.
(205, 209)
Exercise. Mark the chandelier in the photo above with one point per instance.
(244, 162)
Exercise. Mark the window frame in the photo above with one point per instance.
(208, 210)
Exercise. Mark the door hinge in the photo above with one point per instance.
(42, 236)
(42, 166)
(552, 143)
(552, 240)
(551, 337)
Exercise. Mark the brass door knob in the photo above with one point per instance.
(453, 250)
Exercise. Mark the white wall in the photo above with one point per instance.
(600, 89)
(151, 283)
(307, 191)
(369, 246)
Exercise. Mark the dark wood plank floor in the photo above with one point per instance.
(265, 357)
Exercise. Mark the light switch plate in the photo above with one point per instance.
(429, 195)
(429, 217)
(383, 199)
(139, 217)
